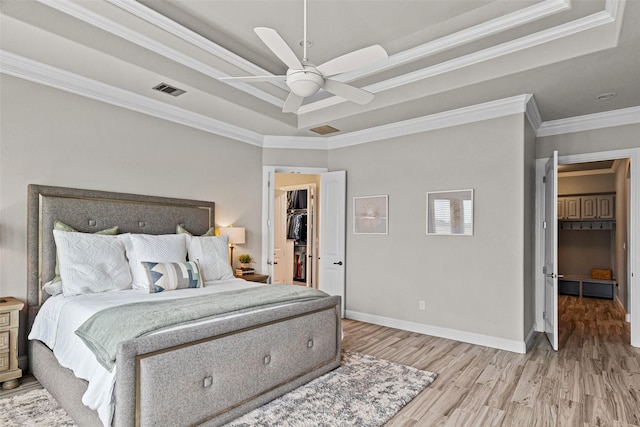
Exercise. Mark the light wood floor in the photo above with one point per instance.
(594, 380)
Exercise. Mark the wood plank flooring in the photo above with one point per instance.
(594, 380)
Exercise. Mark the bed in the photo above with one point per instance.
(202, 373)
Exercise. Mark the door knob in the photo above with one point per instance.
(338, 263)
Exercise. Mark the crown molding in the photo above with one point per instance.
(98, 21)
(459, 38)
(460, 116)
(28, 69)
(468, 35)
(533, 114)
(561, 31)
(621, 117)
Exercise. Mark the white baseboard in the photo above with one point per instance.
(437, 331)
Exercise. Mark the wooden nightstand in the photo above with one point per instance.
(10, 374)
(262, 278)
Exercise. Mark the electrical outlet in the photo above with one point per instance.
(422, 305)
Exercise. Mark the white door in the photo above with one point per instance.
(550, 268)
(333, 194)
(279, 236)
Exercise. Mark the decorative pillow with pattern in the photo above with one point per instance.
(59, 225)
(169, 276)
(212, 255)
(157, 248)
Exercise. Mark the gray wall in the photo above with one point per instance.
(529, 229)
(607, 139)
(52, 137)
(472, 284)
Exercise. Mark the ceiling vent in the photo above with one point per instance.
(323, 130)
(173, 91)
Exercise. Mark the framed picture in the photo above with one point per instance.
(450, 212)
(370, 215)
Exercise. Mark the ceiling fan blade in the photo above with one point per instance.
(250, 79)
(351, 93)
(354, 60)
(292, 103)
(279, 47)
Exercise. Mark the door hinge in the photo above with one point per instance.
(544, 224)
(544, 179)
(544, 270)
(544, 314)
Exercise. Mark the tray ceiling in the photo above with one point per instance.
(443, 55)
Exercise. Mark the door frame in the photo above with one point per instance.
(267, 207)
(634, 232)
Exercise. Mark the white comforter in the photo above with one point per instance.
(60, 316)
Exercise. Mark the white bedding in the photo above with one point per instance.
(60, 316)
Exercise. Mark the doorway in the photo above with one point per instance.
(330, 244)
(593, 261)
(296, 240)
(630, 246)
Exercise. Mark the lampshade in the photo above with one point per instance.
(236, 234)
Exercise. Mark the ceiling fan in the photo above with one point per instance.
(305, 79)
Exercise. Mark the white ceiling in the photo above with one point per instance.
(443, 55)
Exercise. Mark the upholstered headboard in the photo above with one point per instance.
(91, 211)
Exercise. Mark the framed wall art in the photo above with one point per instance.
(370, 215)
(450, 212)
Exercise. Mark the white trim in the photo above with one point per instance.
(533, 114)
(468, 35)
(633, 284)
(266, 170)
(624, 116)
(145, 42)
(535, 39)
(438, 331)
(586, 172)
(191, 37)
(459, 38)
(28, 69)
(41, 73)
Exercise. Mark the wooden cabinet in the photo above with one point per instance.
(10, 373)
(569, 208)
(586, 207)
(606, 207)
(589, 205)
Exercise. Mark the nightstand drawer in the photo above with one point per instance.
(4, 362)
(5, 319)
(4, 340)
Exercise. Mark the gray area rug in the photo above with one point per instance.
(363, 391)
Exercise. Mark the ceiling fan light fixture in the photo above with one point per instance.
(304, 82)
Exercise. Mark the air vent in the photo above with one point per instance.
(323, 130)
(173, 91)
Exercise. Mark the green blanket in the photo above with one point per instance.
(104, 330)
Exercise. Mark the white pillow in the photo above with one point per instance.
(150, 248)
(91, 262)
(212, 255)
